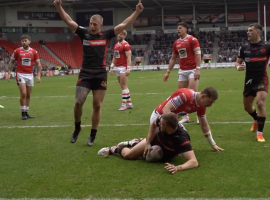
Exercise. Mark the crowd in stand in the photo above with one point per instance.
(229, 44)
(4, 56)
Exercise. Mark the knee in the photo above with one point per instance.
(28, 96)
(23, 95)
(260, 104)
(96, 105)
(78, 103)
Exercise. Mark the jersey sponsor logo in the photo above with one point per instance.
(177, 101)
(26, 61)
(182, 53)
(256, 59)
(263, 50)
(94, 42)
(116, 54)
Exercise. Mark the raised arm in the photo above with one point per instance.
(65, 17)
(128, 21)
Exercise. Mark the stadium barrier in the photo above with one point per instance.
(133, 68)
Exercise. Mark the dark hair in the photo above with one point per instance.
(210, 92)
(171, 120)
(184, 24)
(26, 37)
(256, 25)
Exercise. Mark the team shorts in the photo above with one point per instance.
(93, 79)
(252, 87)
(120, 70)
(28, 79)
(185, 75)
(154, 115)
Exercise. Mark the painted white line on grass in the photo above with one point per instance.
(91, 198)
(73, 96)
(112, 125)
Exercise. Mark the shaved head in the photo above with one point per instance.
(97, 17)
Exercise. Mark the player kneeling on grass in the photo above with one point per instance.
(171, 137)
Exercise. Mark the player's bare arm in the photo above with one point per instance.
(65, 17)
(151, 134)
(170, 67)
(38, 66)
(128, 55)
(189, 164)
(198, 63)
(240, 65)
(207, 133)
(128, 21)
(112, 65)
(168, 108)
(10, 68)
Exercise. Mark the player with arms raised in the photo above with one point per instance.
(25, 57)
(187, 49)
(122, 62)
(255, 54)
(93, 75)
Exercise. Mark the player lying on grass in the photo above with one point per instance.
(185, 101)
(171, 137)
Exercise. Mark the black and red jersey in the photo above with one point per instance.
(256, 57)
(94, 47)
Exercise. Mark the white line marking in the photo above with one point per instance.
(112, 125)
(5, 97)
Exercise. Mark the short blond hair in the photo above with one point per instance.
(124, 32)
(99, 17)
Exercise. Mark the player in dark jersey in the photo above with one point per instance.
(253, 57)
(93, 75)
(171, 137)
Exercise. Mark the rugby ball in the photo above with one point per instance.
(155, 154)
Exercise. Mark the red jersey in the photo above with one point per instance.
(120, 50)
(184, 102)
(25, 59)
(185, 49)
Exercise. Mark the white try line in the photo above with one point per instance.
(111, 125)
(119, 94)
(92, 198)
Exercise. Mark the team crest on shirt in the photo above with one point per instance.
(185, 43)
(263, 50)
(103, 83)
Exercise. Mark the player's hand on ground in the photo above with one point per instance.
(38, 79)
(197, 75)
(127, 72)
(171, 168)
(111, 71)
(57, 3)
(147, 149)
(166, 76)
(8, 78)
(241, 67)
(139, 7)
(217, 148)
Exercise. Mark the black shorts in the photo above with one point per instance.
(93, 79)
(253, 86)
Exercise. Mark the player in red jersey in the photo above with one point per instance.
(26, 57)
(187, 49)
(184, 101)
(122, 61)
(93, 74)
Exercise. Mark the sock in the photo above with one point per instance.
(23, 108)
(78, 125)
(254, 115)
(126, 96)
(261, 121)
(134, 143)
(26, 108)
(93, 132)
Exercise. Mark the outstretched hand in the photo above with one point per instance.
(57, 3)
(217, 148)
(139, 7)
